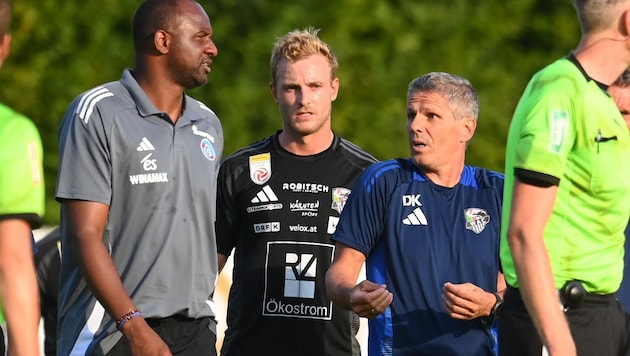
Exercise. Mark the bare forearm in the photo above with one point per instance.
(339, 286)
(533, 266)
(539, 294)
(18, 287)
(101, 275)
(84, 225)
(21, 310)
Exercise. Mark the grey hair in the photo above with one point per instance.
(459, 92)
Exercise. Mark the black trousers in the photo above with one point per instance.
(184, 336)
(599, 326)
(3, 348)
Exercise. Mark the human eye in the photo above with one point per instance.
(204, 36)
(432, 116)
(315, 85)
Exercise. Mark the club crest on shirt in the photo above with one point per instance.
(339, 197)
(260, 168)
(207, 149)
(476, 219)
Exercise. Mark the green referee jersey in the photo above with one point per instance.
(566, 126)
(21, 176)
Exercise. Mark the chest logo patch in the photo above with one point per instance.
(208, 149)
(476, 219)
(260, 168)
(294, 280)
(339, 197)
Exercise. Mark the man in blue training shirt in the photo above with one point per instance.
(428, 229)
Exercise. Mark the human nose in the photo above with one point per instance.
(304, 97)
(414, 122)
(211, 48)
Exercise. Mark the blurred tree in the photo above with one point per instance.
(61, 49)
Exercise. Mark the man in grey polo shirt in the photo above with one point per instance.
(138, 161)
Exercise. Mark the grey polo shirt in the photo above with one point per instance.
(159, 182)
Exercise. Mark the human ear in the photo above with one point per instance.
(469, 125)
(5, 47)
(161, 41)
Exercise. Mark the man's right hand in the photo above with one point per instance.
(143, 340)
(369, 299)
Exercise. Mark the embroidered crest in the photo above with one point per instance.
(476, 219)
(208, 149)
(260, 168)
(339, 197)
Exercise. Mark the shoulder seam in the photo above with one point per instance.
(88, 101)
(356, 150)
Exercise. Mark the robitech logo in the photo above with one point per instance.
(294, 280)
(306, 187)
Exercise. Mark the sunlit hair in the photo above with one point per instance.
(5, 16)
(460, 94)
(153, 15)
(623, 80)
(597, 15)
(299, 44)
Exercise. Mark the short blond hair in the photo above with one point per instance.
(597, 15)
(299, 44)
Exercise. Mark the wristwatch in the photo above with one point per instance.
(496, 306)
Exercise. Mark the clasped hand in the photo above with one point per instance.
(466, 301)
(369, 299)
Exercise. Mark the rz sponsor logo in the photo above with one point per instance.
(294, 280)
(300, 272)
(273, 226)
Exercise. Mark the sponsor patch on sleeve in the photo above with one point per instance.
(559, 127)
(33, 157)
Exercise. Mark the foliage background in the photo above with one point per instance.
(62, 48)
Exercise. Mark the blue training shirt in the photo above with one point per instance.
(417, 236)
(623, 294)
